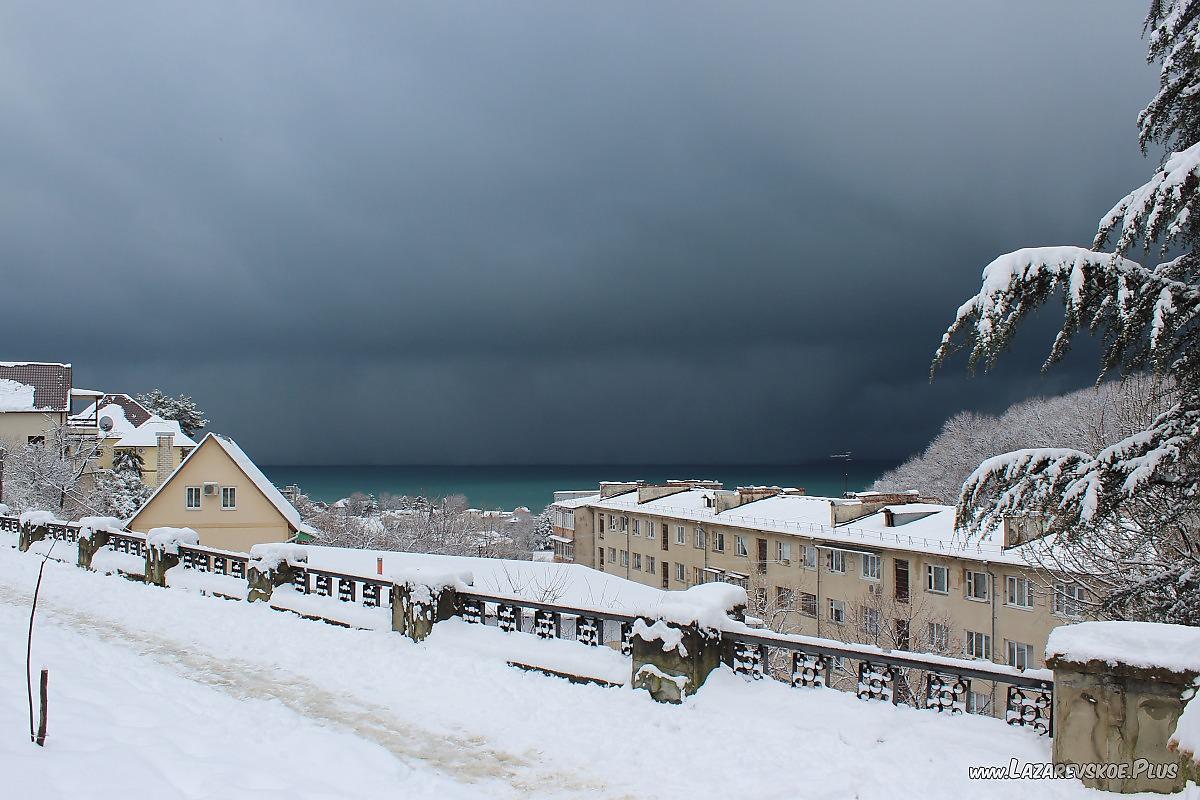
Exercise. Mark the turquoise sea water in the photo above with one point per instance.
(507, 487)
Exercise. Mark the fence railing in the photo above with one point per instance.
(802, 661)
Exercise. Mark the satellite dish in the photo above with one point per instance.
(106, 424)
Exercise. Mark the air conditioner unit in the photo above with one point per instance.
(211, 488)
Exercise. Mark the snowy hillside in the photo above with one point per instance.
(182, 696)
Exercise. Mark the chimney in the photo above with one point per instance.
(165, 461)
(613, 488)
(1020, 529)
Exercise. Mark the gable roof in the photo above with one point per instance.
(146, 434)
(133, 411)
(249, 469)
(50, 384)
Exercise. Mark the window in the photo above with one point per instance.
(1018, 654)
(637, 560)
(649, 529)
(784, 551)
(808, 604)
(625, 523)
(835, 561)
(937, 579)
(837, 611)
(740, 543)
(624, 558)
(650, 564)
(871, 566)
(939, 637)
(601, 526)
(699, 540)
(810, 557)
(870, 618)
(1019, 592)
(977, 585)
(612, 555)
(193, 498)
(979, 645)
(979, 703)
(637, 527)
(1068, 599)
(697, 576)
(680, 537)
(784, 597)
(228, 497)
(612, 522)
(900, 566)
(718, 542)
(680, 573)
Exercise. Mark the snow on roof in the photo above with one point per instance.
(130, 409)
(15, 396)
(251, 470)
(1136, 644)
(807, 515)
(576, 502)
(146, 434)
(50, 384)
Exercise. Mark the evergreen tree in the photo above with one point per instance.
(181, 408)
(128, 460)
(1128, 513)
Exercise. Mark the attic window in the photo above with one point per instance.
(228, 497)
(193, 498)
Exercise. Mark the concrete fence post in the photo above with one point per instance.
(422, 597)
(162, 551)
(273, 565)
(90, 542)
(1119, 691)
(679, 645)
(31, 533)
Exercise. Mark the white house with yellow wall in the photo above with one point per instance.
(221, 494)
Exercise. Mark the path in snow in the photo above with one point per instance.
(468, 759)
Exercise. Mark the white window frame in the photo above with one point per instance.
(975, 642)
(637, 527)
(680, 572)
(1018, 592)
(872, 621)
(624, 558)
(1068, 599)
(808, 604)
(972, 584)
(650, 565)
(637, 561)
(699, 539)
(718, 541)
(783, 550)
(810, 556)
(835, 562)
(837, 611)
(1017, 654)
(931, 583)
(939, 636)
(187, 500)
(680, 535)
(877, 561)
(231, 493)
(650, 526)
(739, 542)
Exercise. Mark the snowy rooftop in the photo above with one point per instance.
(918, 527)
(146, 434)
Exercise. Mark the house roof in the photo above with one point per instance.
(146, 434)
(132, 410)
(251, 471)
(933, 531)
(35, 386)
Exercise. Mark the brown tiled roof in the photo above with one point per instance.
(51, 383)
(135, 412)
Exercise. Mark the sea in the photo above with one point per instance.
(507, 487)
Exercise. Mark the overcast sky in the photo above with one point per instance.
(550, 232)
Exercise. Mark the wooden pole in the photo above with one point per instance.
(41, 731)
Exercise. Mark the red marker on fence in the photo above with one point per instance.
(379, 565)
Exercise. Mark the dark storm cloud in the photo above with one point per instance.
(545, 232)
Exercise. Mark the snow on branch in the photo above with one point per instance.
(1160, 209)
(1148, 314)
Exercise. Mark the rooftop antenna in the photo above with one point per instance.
(845, 459)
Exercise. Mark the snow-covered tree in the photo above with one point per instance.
(118, 492)
(1087, 419)
(181, 408)
(128, 459)
(1127, 513)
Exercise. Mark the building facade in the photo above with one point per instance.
(886, 570)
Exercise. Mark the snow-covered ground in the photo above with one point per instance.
(169, 694)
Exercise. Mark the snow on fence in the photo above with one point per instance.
(802, 661)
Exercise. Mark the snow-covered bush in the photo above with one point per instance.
(180, 408)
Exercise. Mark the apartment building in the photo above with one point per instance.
(888, 570)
